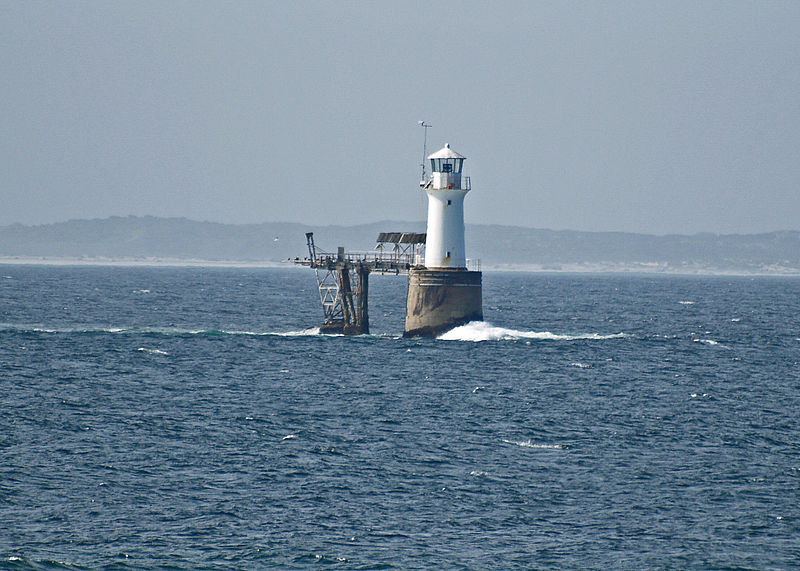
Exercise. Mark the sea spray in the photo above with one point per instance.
(484, 331)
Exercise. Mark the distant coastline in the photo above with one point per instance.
(597, 268)
(138, 262)
(153, 241)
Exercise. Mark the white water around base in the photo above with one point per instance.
(484, 331)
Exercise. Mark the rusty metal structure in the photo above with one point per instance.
(343, 277)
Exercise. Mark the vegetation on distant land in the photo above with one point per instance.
(497, 246)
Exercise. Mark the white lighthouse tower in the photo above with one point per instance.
(444, 247)
(444, 293)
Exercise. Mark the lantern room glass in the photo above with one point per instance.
(447, 165)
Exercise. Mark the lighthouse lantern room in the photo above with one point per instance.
(446, 167)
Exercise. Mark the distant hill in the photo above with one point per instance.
(134, 237)
(148, 238)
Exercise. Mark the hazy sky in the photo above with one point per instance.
(660, 117)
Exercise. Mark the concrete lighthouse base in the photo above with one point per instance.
(439, 300)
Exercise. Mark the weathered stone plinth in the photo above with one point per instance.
(439, 300)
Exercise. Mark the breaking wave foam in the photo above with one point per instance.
(484, 331)
(152, 351)
(530, 444)
(166, 331)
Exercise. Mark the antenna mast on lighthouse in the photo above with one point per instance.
(425, 126)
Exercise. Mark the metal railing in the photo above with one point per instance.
(380, 256)
(379, 260)
(466, 183)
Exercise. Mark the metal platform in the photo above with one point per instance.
(343, 277)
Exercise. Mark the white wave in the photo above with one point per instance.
(289, 437)
(311, 331)
(244, 332)
(686, 302)
(170, 331)
(301, 333)
(580, 365)
(530, 444)
(152, 351)
(484, 331)
(79, 330)
(706, 341)
(154, 330)
(141, 291)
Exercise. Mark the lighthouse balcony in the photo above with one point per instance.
(465, 184)
(450, 180)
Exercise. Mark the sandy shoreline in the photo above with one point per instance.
(140, 262)
(588, 268)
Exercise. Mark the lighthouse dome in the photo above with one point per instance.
(446, 153)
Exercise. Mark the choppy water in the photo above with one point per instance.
(187, 418)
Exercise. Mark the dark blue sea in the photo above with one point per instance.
(190, 418)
